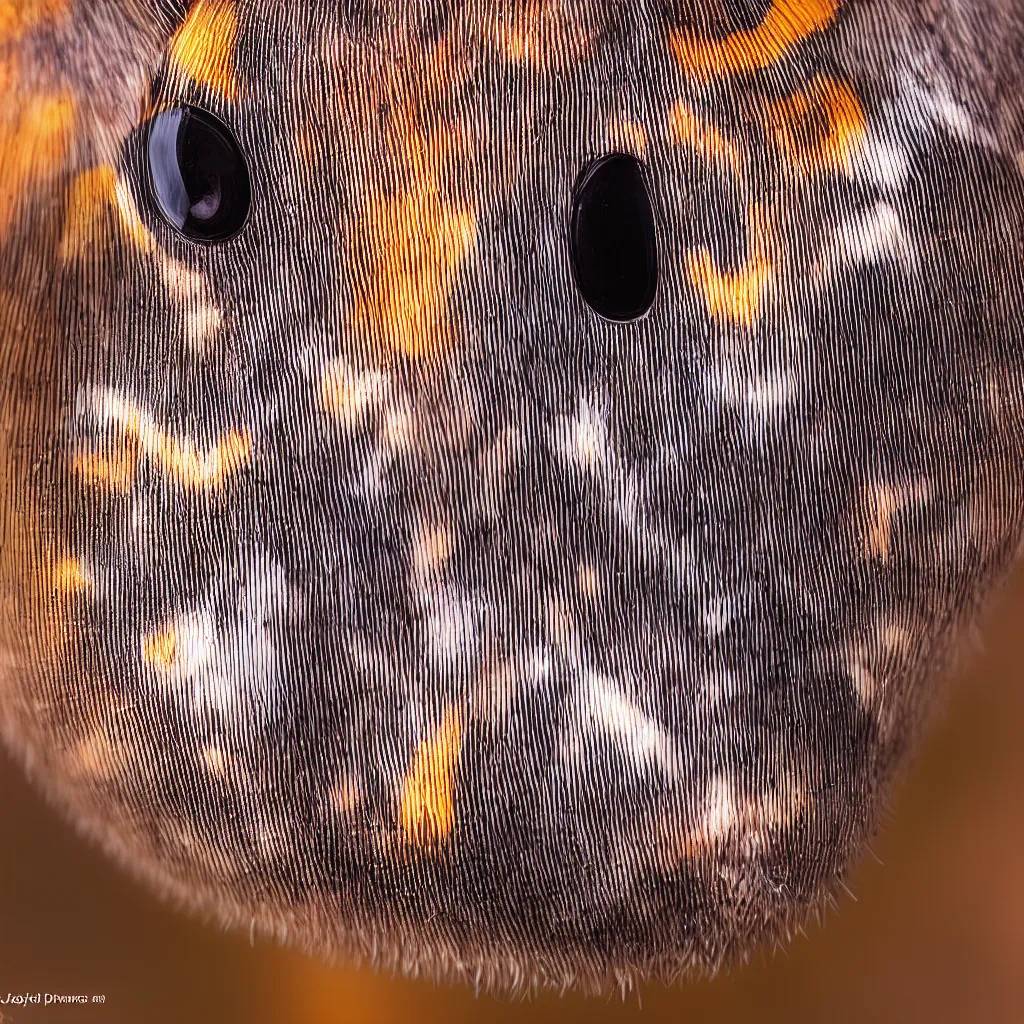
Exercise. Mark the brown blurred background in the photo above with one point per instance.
(936, 932)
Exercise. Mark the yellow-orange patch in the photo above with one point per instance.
(427, 812)
(161, 649)
(114, 471)
(736, 297)
(705, 139)
(35, 136)
(787, 23)
(20, 16)
(418, 243)
(819, 128)
(70, 577)
(204, 46)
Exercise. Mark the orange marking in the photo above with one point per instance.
(115, 472)
(93, 193)
(70, 577)
(736, 297)
(787, 23)
(821, 127)
(20, 16)
(705, 139)
(540, 33)
(204, 46)
(161, 649)
(181, 459)
(418, 241)
(628, 136)
(427, 812)
(35, 135)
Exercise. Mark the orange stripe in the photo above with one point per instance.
(427, 813)
(417, 242)
(735, 297)
(787, 23)
(204, 46)
(820, 128)
(35, 135)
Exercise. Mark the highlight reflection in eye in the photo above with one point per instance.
(198, 176)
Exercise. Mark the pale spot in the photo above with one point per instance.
(215, 760)
(588, 582)
(883, 162)
(345, 794)
(427, 813)
(431, 549)
(764, 395)
(875, 235)
(70, 576)
(627, 137)
(349, 395)
(181, 647)
(203, 48)
(637, 735)
(583, 439)
(451, 631)
(882, 504)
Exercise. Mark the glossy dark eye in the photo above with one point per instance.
(198, 175)
(614, 253)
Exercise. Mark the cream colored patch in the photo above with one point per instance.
(582, 439)
(875, 235)
(350, 395)
(881, 506)
(345, 795)
(427, 812)
(431, 550)
(450, 627)
(636, 734)
(180, 459)
(729, 821)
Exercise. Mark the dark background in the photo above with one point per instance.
(935, 932)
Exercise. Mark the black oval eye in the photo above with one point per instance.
(198, 176)
(614, 253)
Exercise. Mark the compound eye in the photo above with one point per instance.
(198, 177)
(613, 245)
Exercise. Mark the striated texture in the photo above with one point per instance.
(361, 585)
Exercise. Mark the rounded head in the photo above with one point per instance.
(490, 487)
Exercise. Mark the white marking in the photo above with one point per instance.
(234, 670)
(583, 439)
(635, 733)
(451, 633)
(876, 235)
